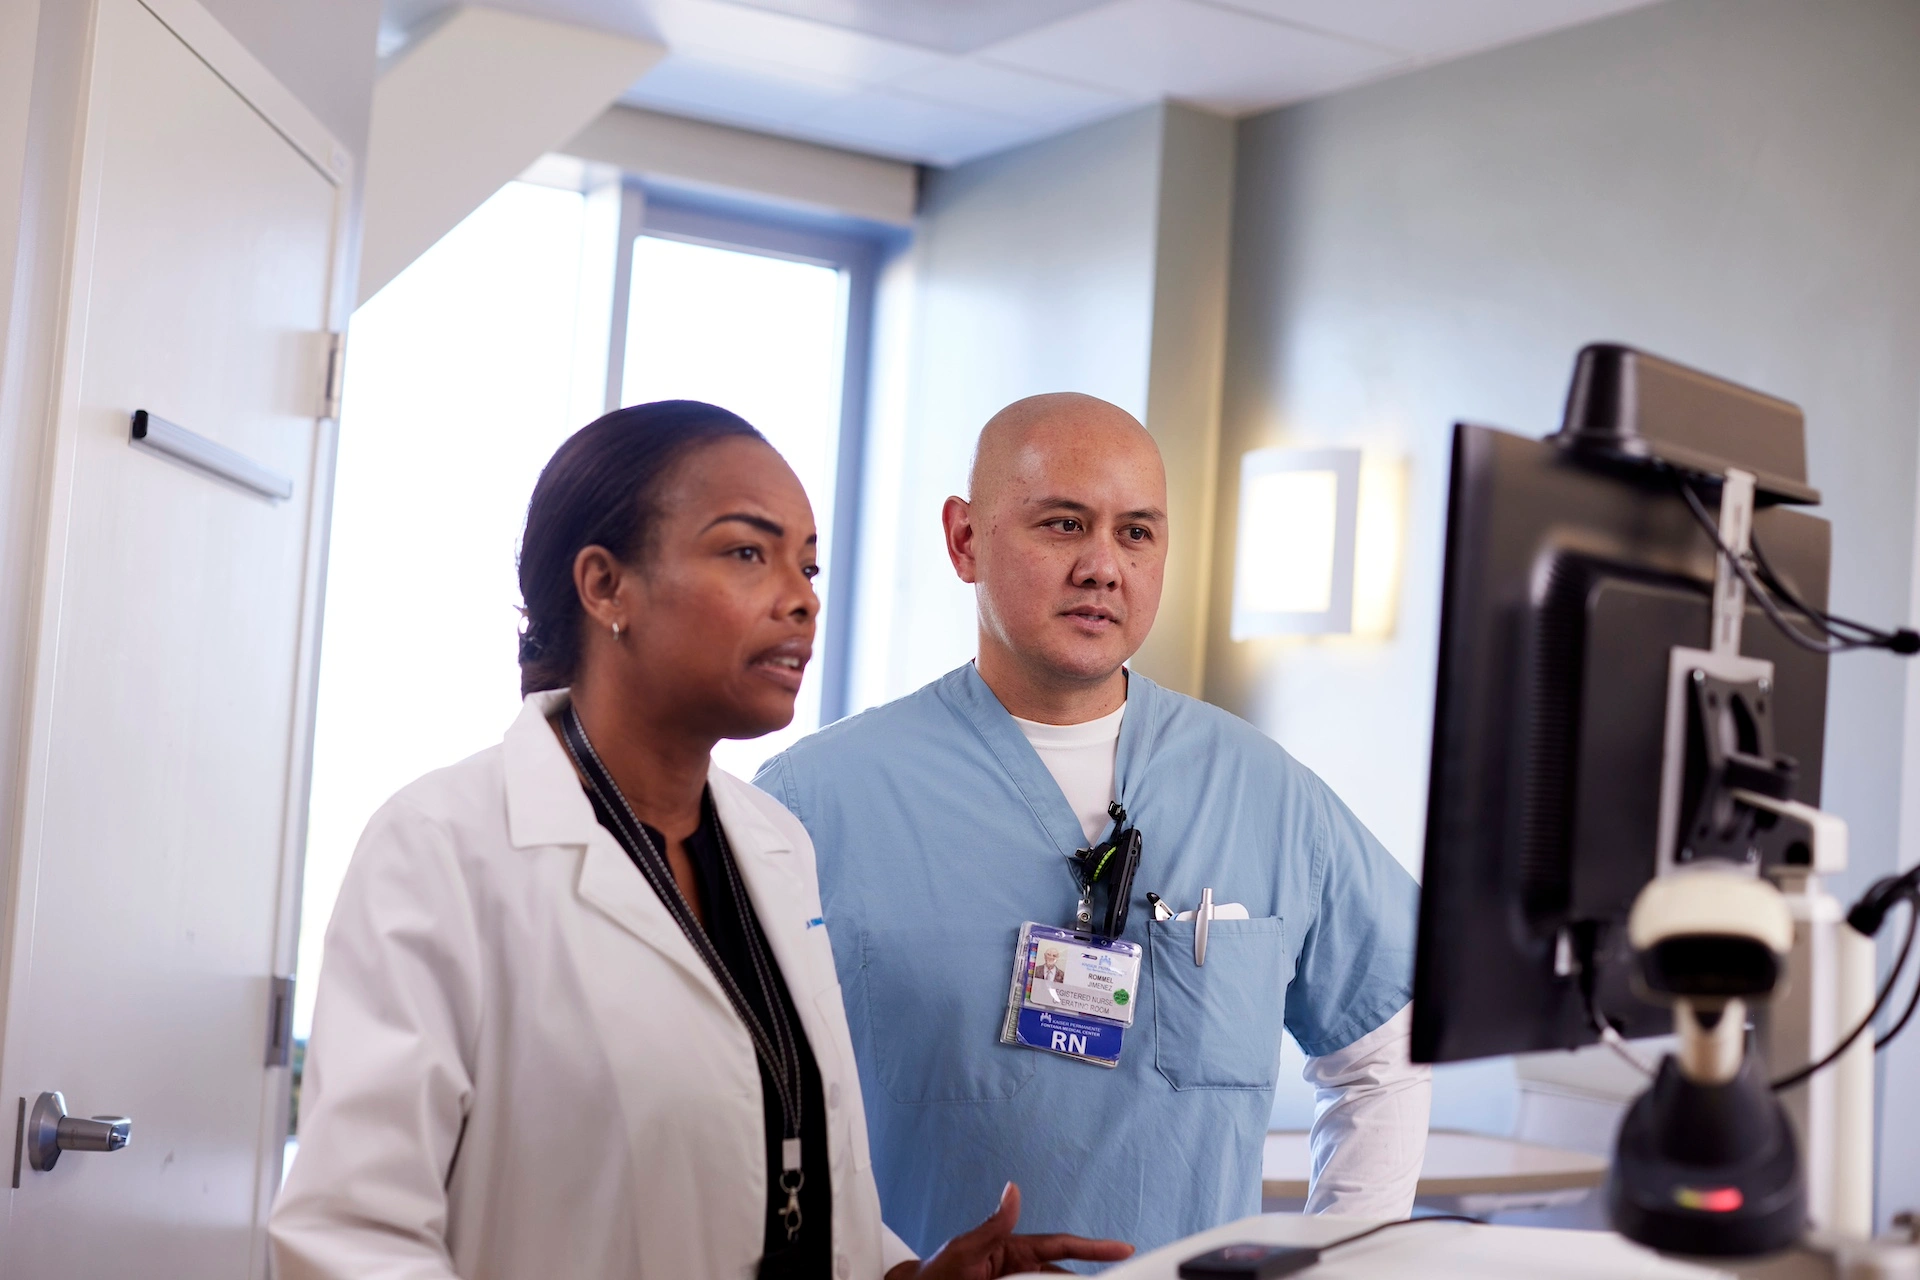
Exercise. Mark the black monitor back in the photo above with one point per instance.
(1568, 581)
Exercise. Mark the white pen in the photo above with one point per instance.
(1202, 917)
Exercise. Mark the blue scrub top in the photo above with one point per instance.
(939, 831)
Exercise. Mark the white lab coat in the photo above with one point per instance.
(521, 1070)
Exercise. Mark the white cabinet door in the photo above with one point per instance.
(168, 746)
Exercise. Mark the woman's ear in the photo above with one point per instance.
(597, 576)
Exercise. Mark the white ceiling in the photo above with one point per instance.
(945, 81)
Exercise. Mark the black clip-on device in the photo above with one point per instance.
(1109, 868)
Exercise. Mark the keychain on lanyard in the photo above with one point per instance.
(1108, 869)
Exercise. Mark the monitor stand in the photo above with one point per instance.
(1828, 988)
(1711, 1160)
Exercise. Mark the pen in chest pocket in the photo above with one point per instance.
(1202, 917)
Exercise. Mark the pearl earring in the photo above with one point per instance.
(616, 631)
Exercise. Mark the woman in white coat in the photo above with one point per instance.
(578, 1016)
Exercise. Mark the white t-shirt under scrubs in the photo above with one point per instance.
(1080, 757)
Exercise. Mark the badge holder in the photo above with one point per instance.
(1074, 990)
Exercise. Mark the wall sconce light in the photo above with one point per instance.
(1318, 549)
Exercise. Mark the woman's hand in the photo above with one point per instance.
(991, 1250)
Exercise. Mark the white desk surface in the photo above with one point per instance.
(1458, 1164)
(1430, 1250)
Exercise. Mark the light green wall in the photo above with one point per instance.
(1091, 262)
(1731, 183)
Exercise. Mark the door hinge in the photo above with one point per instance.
(280, 1022)
(336, 375)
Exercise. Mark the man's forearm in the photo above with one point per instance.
(1370, 1123)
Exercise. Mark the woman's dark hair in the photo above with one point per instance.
(600, 489)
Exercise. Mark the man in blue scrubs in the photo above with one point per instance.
(947, 818)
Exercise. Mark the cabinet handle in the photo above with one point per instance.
(207, 456)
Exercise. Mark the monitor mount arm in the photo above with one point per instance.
(1709, 1160)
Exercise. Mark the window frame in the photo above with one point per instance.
(855, 248)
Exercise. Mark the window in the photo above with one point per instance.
(768, 320)
(461, 383)
(530, 318)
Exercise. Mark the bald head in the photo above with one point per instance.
(1063, 534)
(1027, 433)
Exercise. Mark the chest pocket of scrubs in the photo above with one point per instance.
(936, 996)
(1217, 1025)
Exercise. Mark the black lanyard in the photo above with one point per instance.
(775, 1045)
(1107, 869)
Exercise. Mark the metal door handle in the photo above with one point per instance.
(50, 1130)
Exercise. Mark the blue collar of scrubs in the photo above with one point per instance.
(968, 694)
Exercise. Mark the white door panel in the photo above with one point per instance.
(168, 747)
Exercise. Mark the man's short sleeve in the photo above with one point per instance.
(776, 779)
(1355, 968)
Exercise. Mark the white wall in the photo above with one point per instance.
(26, 255)
(1732, 183)
(1033, 272)
(1073, 264)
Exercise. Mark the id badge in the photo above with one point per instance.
(1073, 993)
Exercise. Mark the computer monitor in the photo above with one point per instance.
(1573, 566)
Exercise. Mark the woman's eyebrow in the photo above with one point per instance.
(761, 523)
(764, 525)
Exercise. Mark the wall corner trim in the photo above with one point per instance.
(1186, 364)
